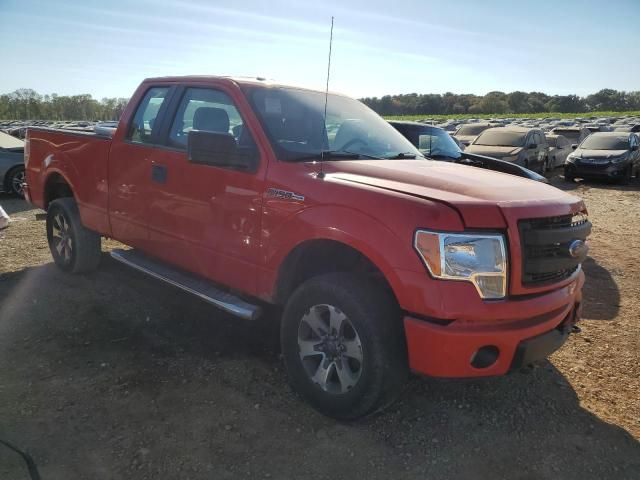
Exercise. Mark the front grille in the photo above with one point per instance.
(546, 242)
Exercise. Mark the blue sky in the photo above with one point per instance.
(106, 47)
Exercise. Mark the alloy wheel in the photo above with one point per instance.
(330, 349)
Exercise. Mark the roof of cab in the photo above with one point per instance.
(262, 81)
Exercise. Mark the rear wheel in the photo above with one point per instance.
(74, 248)
(15, 179)
(343, 345)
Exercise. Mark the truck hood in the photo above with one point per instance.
(492, 151)
(484, 199)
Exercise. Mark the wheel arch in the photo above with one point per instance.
(320, 256)
(56, 186)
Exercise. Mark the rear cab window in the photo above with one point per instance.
(144, 125)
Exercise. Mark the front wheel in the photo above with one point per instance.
(74, 248)
(343, 345)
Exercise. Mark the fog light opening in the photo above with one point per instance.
(485, 356)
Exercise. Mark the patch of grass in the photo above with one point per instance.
(634, 113)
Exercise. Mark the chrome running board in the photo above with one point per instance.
(188, 282)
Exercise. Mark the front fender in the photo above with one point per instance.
(390, 251)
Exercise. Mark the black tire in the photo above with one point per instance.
(74, 248)
(568, 177)
(377, 323)
(13, 179)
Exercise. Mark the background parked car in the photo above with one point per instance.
(465, 134)
(11, 164)
(559, 148)
(607, 155)
(573, 134)
(526, 147)
(436, 143)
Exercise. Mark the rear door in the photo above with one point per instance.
(130, 172)
(205, 218)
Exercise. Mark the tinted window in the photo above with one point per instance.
(144, 120)
(208, 110)
(503, 138)
(605, 142)
(553, 141)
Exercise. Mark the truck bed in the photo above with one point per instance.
(78, 157)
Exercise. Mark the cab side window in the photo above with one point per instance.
(207, 110)
(144, 121)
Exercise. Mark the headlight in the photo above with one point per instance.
(479, 259)
(570, 159)
(619, 159)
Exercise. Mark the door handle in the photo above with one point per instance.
(158, 173)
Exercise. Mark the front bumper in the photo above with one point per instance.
(611, 170)
(463, 349)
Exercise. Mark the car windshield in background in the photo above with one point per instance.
(498, 138)
(570, 134)
(437, 143)
(471, 129)
(293, 121)
(608, 142)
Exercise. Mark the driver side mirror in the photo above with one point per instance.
(574, 146)
(219, 150)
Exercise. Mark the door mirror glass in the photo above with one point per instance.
(220, 150)
(574, 146)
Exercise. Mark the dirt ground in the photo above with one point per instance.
(116, 376)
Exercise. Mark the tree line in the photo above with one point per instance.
(27, 104)
(500, 102)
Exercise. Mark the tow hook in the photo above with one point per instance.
(575, 329)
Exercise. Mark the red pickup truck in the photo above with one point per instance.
(247, 193)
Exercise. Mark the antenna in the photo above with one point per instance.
(326, 98)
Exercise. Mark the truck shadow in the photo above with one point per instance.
(601, 295)
(114, 358)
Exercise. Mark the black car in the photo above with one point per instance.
(436, 143)
(606, 155)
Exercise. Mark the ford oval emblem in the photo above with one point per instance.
(578, 248)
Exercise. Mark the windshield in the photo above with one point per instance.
(472, 129)
(293, 121)
(436, 142)
(608, 142)
(500, 138)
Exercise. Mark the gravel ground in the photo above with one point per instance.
(116, 376)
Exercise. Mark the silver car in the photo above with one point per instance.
(11, 164)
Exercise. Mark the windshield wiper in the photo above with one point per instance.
(401, 155)
(335, 155)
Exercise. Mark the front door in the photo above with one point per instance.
(130, 162)
(204, 218)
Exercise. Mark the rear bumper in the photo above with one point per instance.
(494, 348)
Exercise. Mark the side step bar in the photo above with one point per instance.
(188, 282)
